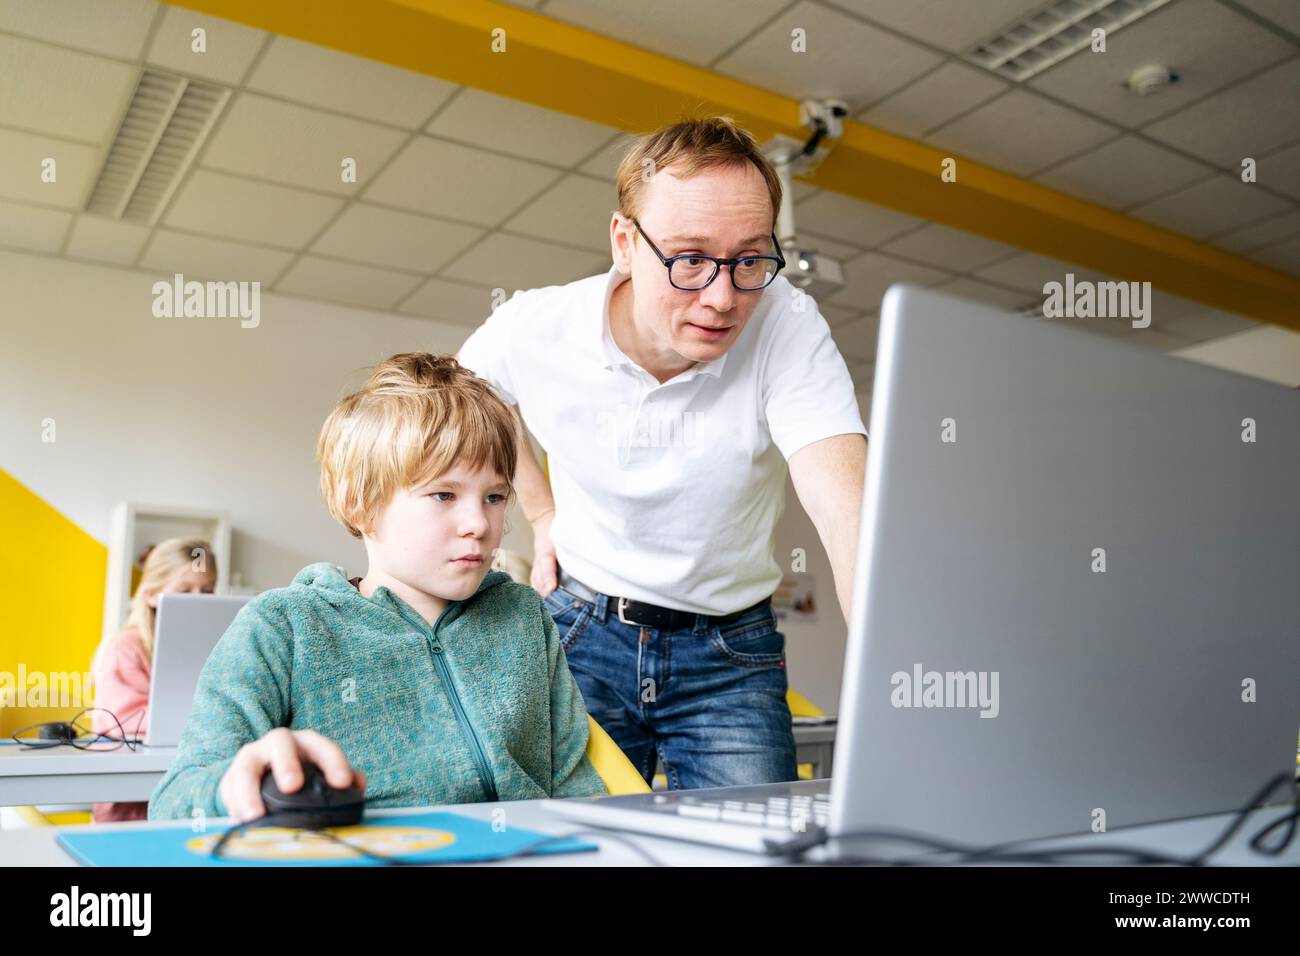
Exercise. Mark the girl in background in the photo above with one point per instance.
(123, 662)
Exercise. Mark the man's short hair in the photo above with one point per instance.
(418, 416)
(688, 147)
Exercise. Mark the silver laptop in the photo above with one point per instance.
(1075, 600)
(187, 628)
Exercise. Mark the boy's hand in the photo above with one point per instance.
(544, 577)
(283, 750)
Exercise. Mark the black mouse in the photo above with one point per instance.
(315, 805)
(57, 731)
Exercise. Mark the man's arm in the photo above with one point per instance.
(828, 476)
(538, 506)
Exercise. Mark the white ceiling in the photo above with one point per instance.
(460, 191)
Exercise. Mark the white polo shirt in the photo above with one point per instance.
(668, 493)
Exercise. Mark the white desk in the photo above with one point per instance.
(37, 846)
(65, 775)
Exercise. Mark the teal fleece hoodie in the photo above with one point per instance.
(480, 706)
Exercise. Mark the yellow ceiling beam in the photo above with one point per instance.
(572, 70)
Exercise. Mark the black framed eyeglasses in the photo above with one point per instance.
(692, 271)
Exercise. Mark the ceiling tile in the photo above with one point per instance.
(987, 294)
(851, 220)
(951, 249)
(512, 126)
(934, 99)
(298, 145)
(62, 92)
(216, 259)
(1206, 44)
(467, 305)
(1154, 338)
(868, 276)
(1262, 233)
(825, 245)
(1030, 272)
(230, 47)
(106, 240)
(512, 262)
(1123, 172)
(857, 340)
(1284, 256)
(1211, 324)
(235, 208)
(387, 237)
(447, 179)
(116, 29)
(575, 210)
(344, 282)
(1284, 13)
(1280, 170)
(348, 84)
(681, 29)
(1020, 133)
(838, 314)
(1216, 205)
(952, 26)
(1249, 119)
(21, 168)
(837, 47)
(1166, 307)
(32, 228)
(604, 163)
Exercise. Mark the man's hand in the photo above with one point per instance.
(545, 567)
(283, 750)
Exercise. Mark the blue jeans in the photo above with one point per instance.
(709, 701)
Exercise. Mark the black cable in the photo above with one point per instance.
(76, 742)
(529, 849)
(1007, 852)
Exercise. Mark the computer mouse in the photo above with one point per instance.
(315, 805)
(57, 731)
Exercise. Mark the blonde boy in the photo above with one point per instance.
(428, 680)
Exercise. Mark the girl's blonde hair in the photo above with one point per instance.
(417, 416)
(167, 559)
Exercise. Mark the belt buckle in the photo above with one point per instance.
(622, 603)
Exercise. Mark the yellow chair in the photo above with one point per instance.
(33, 817)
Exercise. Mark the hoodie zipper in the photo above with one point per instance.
(444, 673)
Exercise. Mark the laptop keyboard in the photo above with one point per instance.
(797, 812)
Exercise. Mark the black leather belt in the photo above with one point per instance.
(644, 614)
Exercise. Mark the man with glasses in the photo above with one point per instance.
(671, 395)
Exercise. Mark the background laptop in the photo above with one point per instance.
(1126, 691)
(188, 627)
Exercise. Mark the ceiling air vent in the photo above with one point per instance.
(1052, 34)
(167, 121)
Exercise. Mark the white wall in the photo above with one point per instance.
(193, 412)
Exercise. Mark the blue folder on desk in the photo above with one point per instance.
(435, 837)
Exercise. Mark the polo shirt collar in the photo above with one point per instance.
(612, 356)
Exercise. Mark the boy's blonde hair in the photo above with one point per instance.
(690, 146)
(417, 417)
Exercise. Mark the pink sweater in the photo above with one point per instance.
(121, 672)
